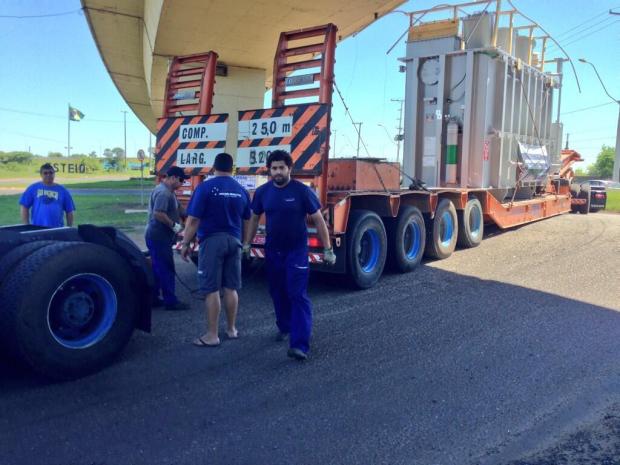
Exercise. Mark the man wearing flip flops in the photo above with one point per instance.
(216, 212)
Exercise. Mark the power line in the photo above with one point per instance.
(581, 37)
(47, 115)
(608, 19)
(49, 15)
(581, 24)
(586, 108)
(31, 137)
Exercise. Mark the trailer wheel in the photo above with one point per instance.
(69, 308)
(367, 248)
(406, 239)
(471, 224)
(442, 231)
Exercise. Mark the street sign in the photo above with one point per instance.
(141, 155)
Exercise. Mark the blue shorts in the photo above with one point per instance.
(219, 263)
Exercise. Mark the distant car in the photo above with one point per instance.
(598, 193)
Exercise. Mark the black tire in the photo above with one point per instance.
(11, 259)
(575, 189)
(68, 309)
(442, 231)
(585, 194)
(471, 224)
(366, 248)
(406, 239)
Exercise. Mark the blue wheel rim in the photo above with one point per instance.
(369, 251)
(412, 240)
(446, 228)
(82, 311)
(475, 222)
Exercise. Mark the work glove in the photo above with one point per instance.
(329, 257)
(245, 250)
(177, 228)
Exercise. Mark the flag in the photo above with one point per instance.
(75, 114)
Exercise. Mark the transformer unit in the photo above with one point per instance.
(477, 116)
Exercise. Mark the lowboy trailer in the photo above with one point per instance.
(480, 146)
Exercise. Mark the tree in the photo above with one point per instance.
(581, 172)
(54, 154)
(604, 165)
(15, 157)
(118, 152)
(92, 154)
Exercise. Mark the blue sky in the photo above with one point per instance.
(48, 62)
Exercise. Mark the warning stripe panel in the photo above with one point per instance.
(307, 138)
(195, 151)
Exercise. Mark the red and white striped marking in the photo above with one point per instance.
(257, 253)
(192, 245)
(312, 257)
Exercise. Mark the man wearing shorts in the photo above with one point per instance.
(216, 212)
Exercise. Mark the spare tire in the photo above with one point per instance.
(68, 309)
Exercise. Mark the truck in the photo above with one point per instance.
(480, 148)
(480, 143)
(70, 298)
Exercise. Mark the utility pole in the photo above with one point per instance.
(399, 134)
(124, 112)
(615, 175)
(359, 137)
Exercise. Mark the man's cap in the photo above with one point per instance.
(223, 162)
(178, 172)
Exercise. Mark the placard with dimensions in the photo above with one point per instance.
(301, 130)
(190, 142)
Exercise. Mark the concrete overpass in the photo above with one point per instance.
(137, 38)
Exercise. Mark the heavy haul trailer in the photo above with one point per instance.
(480, 145)
(70, 298)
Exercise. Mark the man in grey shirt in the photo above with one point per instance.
(163, 225)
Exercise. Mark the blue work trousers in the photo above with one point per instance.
(287, 273)
(163, 269)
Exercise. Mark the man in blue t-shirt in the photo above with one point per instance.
(216, 212)
(286, 203)
(45, 203)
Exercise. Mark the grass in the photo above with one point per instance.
(613, 200)
(105, 210)
(122, 184)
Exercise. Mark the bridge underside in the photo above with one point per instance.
(136, 39)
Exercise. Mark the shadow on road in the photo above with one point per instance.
(426, 367)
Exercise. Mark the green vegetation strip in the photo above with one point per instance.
(613, 200)
(105, 210)
(148, 183)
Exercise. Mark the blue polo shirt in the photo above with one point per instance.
(47, 204)
(285, 209)
(222, 204)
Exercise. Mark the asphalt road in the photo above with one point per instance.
(504, 354)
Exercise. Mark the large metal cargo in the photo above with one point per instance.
(497, 107)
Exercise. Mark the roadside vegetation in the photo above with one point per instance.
(103, 210)
(613, 200)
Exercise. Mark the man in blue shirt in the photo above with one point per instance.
(216, 212)
(286, 203)
(44, 203)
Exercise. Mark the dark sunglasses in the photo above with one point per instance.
(47, 172)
